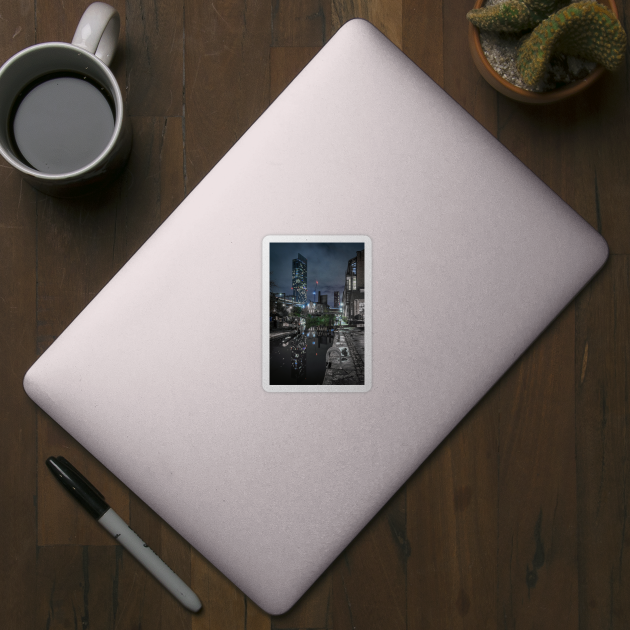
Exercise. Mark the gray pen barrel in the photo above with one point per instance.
(149, 559)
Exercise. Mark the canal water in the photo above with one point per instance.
(299, 359)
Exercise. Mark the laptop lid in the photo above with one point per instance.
(166, 376)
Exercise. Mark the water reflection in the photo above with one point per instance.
(298, 356)
(299, 359)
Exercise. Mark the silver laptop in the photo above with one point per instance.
(262, 416)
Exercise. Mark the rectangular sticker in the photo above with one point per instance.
(317, 313)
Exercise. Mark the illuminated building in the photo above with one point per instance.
(354, 290)
(298, 279)
(336, 299)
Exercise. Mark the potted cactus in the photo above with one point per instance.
(557, 49)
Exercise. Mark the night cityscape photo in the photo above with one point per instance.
(317, 313)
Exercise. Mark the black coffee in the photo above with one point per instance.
(61, 123)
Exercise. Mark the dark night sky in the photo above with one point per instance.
(326, 262)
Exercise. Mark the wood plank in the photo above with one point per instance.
(603, 469)
(566, 148)
(142, 600)
(575, 147)
(369, 577)
(74, 248)
(57, 23)
(313, 609)
(102, 587)
(255, 618)
(17, 28)
(61, 520)
(300, 22)
(452, 527)
(608, 127)
(176, 552)
(461, 78)
(18, 415)
(152, 185)
(537, 537)
(76, 587)
(423, 36)
(154, 57)
(386, 15)
(226, 78)
(224, 606)
(558, 147)
(171, 158)
(18, 421)
(285, 64)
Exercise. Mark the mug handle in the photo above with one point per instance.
(98, 30)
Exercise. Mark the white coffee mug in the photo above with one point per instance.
(86, 59)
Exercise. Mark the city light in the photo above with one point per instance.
(315, 320)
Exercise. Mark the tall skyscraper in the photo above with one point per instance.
(336, 299)
(298, 279)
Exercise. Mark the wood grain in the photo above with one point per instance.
(300, 22)
(76, 587)
(224, 606)
(18, 416)
(369, 577)
(143, 600)
(285, 64)
(313, 609)
(461, 79)
(154, 57)
(61, 521)
(226, 78)
(517, 520)
(609, 134)
(573, 149)
(602, 380)
(452, 515)
(151, 187)
(386, 15)
(422, 36)
(537, 510)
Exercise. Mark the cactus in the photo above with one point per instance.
(513, 16)
(584, 29)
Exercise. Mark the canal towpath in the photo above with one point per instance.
(346, 366)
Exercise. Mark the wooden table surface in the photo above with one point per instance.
(518, 520)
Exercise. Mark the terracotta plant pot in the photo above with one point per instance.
(519, 94)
